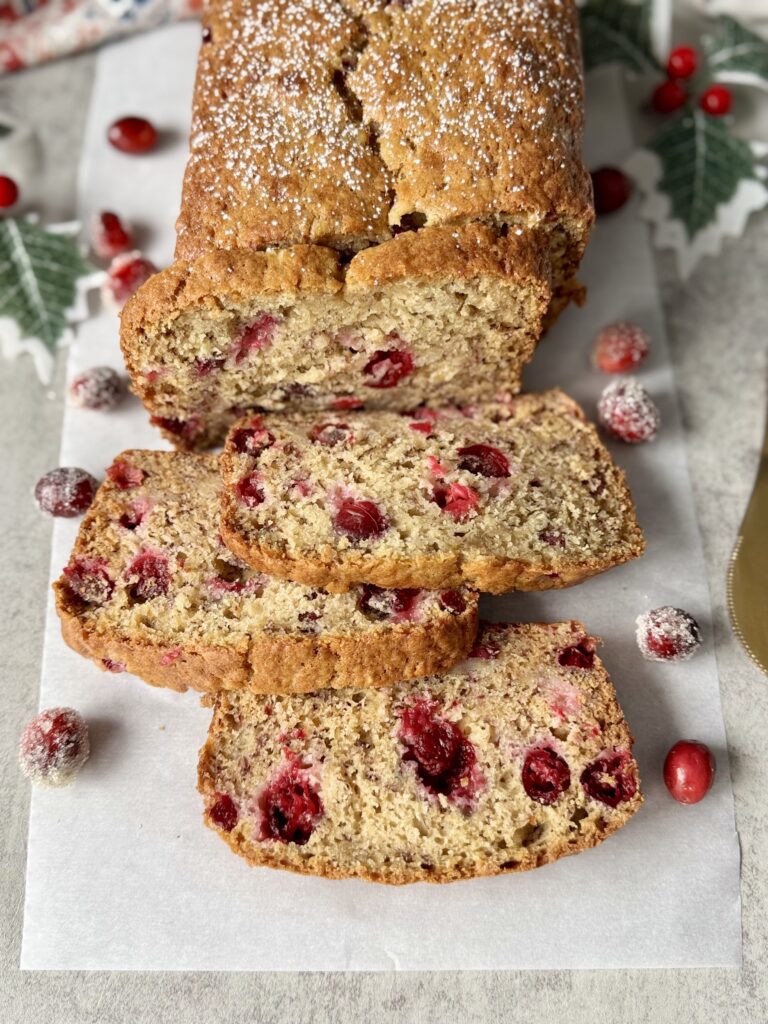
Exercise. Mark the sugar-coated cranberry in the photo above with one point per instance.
(668, 97)
(456, 500)
(717, 100)
(330, 434)
(255, 337)
(9, 192)
(250, 490)
(620, 348)
(385, 369)
(667, 634)
(290, 807)
(359, 519)
(378, 603)
(347, 403)
(125, 476)
(125, 275)
(682, 62)
(109, 236)
(484, 460)
(133, 135)
(610, 778)
(54, 746)
(89, 579)
(113, 666)
(627, 412)
(546, 775)
(445, 760)
(101, 387)
(252, 440)
(689, 771)
(223, 812)
(612, 189)
(65, 492)
(580, 655)
(148, 576)
(452, 601)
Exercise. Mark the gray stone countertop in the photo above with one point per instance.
(718, 326)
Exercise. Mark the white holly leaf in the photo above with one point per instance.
(734, 54)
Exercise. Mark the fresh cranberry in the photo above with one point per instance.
(387, 604)
(255, 337)
(133, 135)
(347, 403)
(134, 516)
(9, 192)
(250, 490)
(89, 579)
(689, 771)
(627, 412)
(580, 655)
(54, 746)
(101, 387)
(456, 500)
(610, 778)
(668, 97)
(113, 666)
(682, 62)
(125, 275)
(667, 634)
(360, 519)
(223, 813)
(385, 369)
(612, 189)
(546, 775)
(109, 236)
(453, 602)
(488, 642)
(717, 100)
(423, 427)
(125, 476)
(65, 492)
(291, 807)
(252, 440)
(205, 367)
(620, 348)
(330, 434)
(445, 760)
(149, 576)
(553, 538)
(187, 430)
(484, 460)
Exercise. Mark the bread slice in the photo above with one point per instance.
(517, 495)
(443, 314)
(516, 757)
(150, 589)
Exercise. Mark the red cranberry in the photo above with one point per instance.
(187, 430)
(125, 476)
(488, 642)
(423, 427)
(291, 807)
(54, 746)
(546, 775)
(223, 813)
(255, 337)
(9, 192)
(612, 189)
(205, 367)
(689, 771)
(360, 519)
(101, 387)
(89, 579)
(610, 778)
(133, 135)
(717, 100)
(126, 274)
(252, 440)
(134, 516)
(668, 97)
(667, 634)
(682, 62)
(627, 412)
(347, 403)
(330, 434)
(379, 603)
(580, 655)
(456, 500)
(386, 369)
(250, 490)
(445, 760)
(620, 348)
(113, 666)
(484, 460)
(553, 538)
(65, 492)
(149, 576)
(109, 237)
(453, 602)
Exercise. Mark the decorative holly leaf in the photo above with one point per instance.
(613, 31)
(734, 54)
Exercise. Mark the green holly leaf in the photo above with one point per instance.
(5, 129)
(735, 54)
(38, 273)
(613, 31)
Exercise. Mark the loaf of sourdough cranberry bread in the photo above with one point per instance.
(516, 757)
(419, 167)
(150, 589)
(500, 496)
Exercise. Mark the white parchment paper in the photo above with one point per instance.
(121, 872)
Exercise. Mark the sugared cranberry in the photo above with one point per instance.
(9, 192)
(109, 236)
(627, 412)
(689, 771)
(65, 492)
(252, 440)
(347, 403)
(330, 434)
(667, 634)
(668, 97)
(113, 666)
(126, 274)
(612, 189)
(717, 100)
(250, 490)
(101, 387)
(359, 519)
(610, 778)
(133, 135)
(386, 369)
(456, 500)
(125, 476)
(580, 655)
(89, 579)
(379, 603)
(223, 812)
(148, 576)
(187, 430)
(682, 62)
(620, 348)
(484, 460)
(291, 807)
(452, 601)
(255, 337)
(445, 760)
(546, 775)
(54, 746)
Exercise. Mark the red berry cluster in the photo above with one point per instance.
(673, 93)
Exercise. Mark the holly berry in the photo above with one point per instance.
(133, 135)
(668, 97)
(717, 100)
(682, 62)
(612, 189)
(689, 771)
(9, 192)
